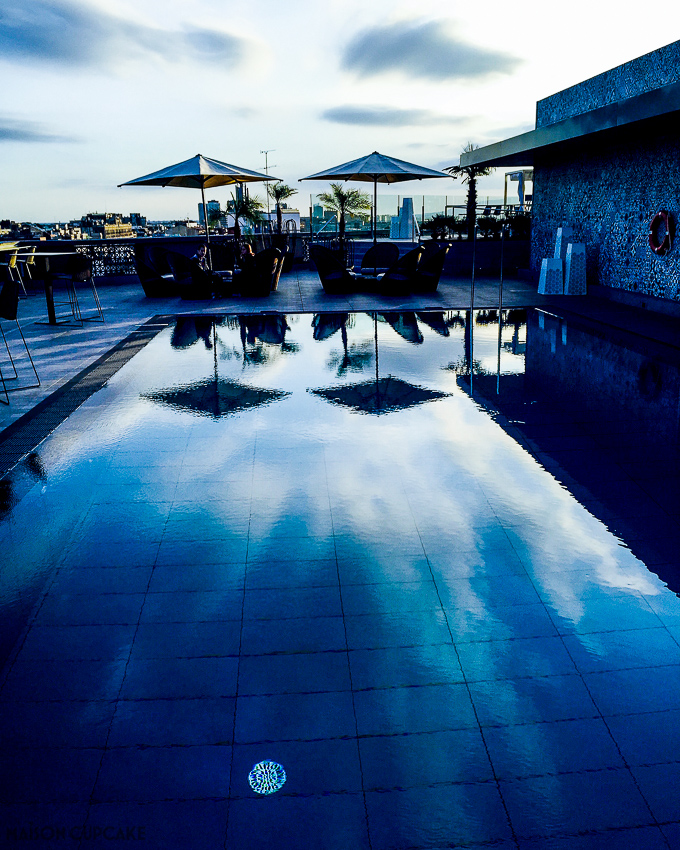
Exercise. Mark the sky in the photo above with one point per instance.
(95, 93)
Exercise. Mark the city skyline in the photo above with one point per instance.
(95, 96)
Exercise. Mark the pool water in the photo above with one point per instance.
(417, 567)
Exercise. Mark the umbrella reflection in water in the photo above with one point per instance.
(405, 324)
(381, 395)
(215, 397)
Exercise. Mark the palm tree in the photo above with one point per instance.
(246, 207)
(344, 202)
(214, 218)
(469, 175)
(280, 192)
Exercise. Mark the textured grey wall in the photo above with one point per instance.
(659, 68)
(610, 194)
(609, 198)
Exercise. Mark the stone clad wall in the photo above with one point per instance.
(659, 68)
(609, 197)
(610, 192)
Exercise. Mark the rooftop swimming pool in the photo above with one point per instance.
(396, 580)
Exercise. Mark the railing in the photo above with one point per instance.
(116, 257)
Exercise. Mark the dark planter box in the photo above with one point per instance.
(487, 257)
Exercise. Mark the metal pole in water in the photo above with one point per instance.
(472, 298)
(500, 314)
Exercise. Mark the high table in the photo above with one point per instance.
(45, 268)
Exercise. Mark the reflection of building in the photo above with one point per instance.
(605, 155)
(600, 414)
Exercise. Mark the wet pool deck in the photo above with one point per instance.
(116, 683)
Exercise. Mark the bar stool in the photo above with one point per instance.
(79, 270)
(9, 304)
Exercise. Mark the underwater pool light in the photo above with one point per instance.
(266, 777)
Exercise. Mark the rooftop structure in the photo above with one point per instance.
(605, 154)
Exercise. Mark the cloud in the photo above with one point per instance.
(66, 32)
(386, 116)
(27, 131)
(425, 50)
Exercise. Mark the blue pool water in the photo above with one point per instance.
(425, 568)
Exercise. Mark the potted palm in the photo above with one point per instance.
(280, 192)
(469, 175)
(344, 202)
(247, 208)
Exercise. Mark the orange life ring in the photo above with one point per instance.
(666, 243)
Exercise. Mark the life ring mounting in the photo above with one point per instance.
(664, 245)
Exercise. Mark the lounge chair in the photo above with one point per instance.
(154, 272)
(193, 282)
(379, 258)
(256, 278)
(335, 278)
(279, 269)
(429, 271)
(401, 277)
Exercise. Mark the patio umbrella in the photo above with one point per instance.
(200, 172)
(377, 168)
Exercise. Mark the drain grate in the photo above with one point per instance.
(22, 436)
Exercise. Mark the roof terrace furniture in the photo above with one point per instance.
(10, 260)
(335, 278)
(429, 270)
(379, 258)
(9, 305)
(401, 278)
(279, 269)
(67, 268)
(193, 283)
(154, 271)
(259, 273)
(79, 271)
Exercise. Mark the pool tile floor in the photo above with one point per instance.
(156, 671)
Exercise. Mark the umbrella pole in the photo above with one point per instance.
(375, 211)
(207, 228)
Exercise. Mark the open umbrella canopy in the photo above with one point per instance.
(200, 172)
(377, 168)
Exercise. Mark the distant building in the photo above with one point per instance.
(213, 207)
(137, 220)
(290, 219)
(404, 226)
(184, 228)
(106, 226)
